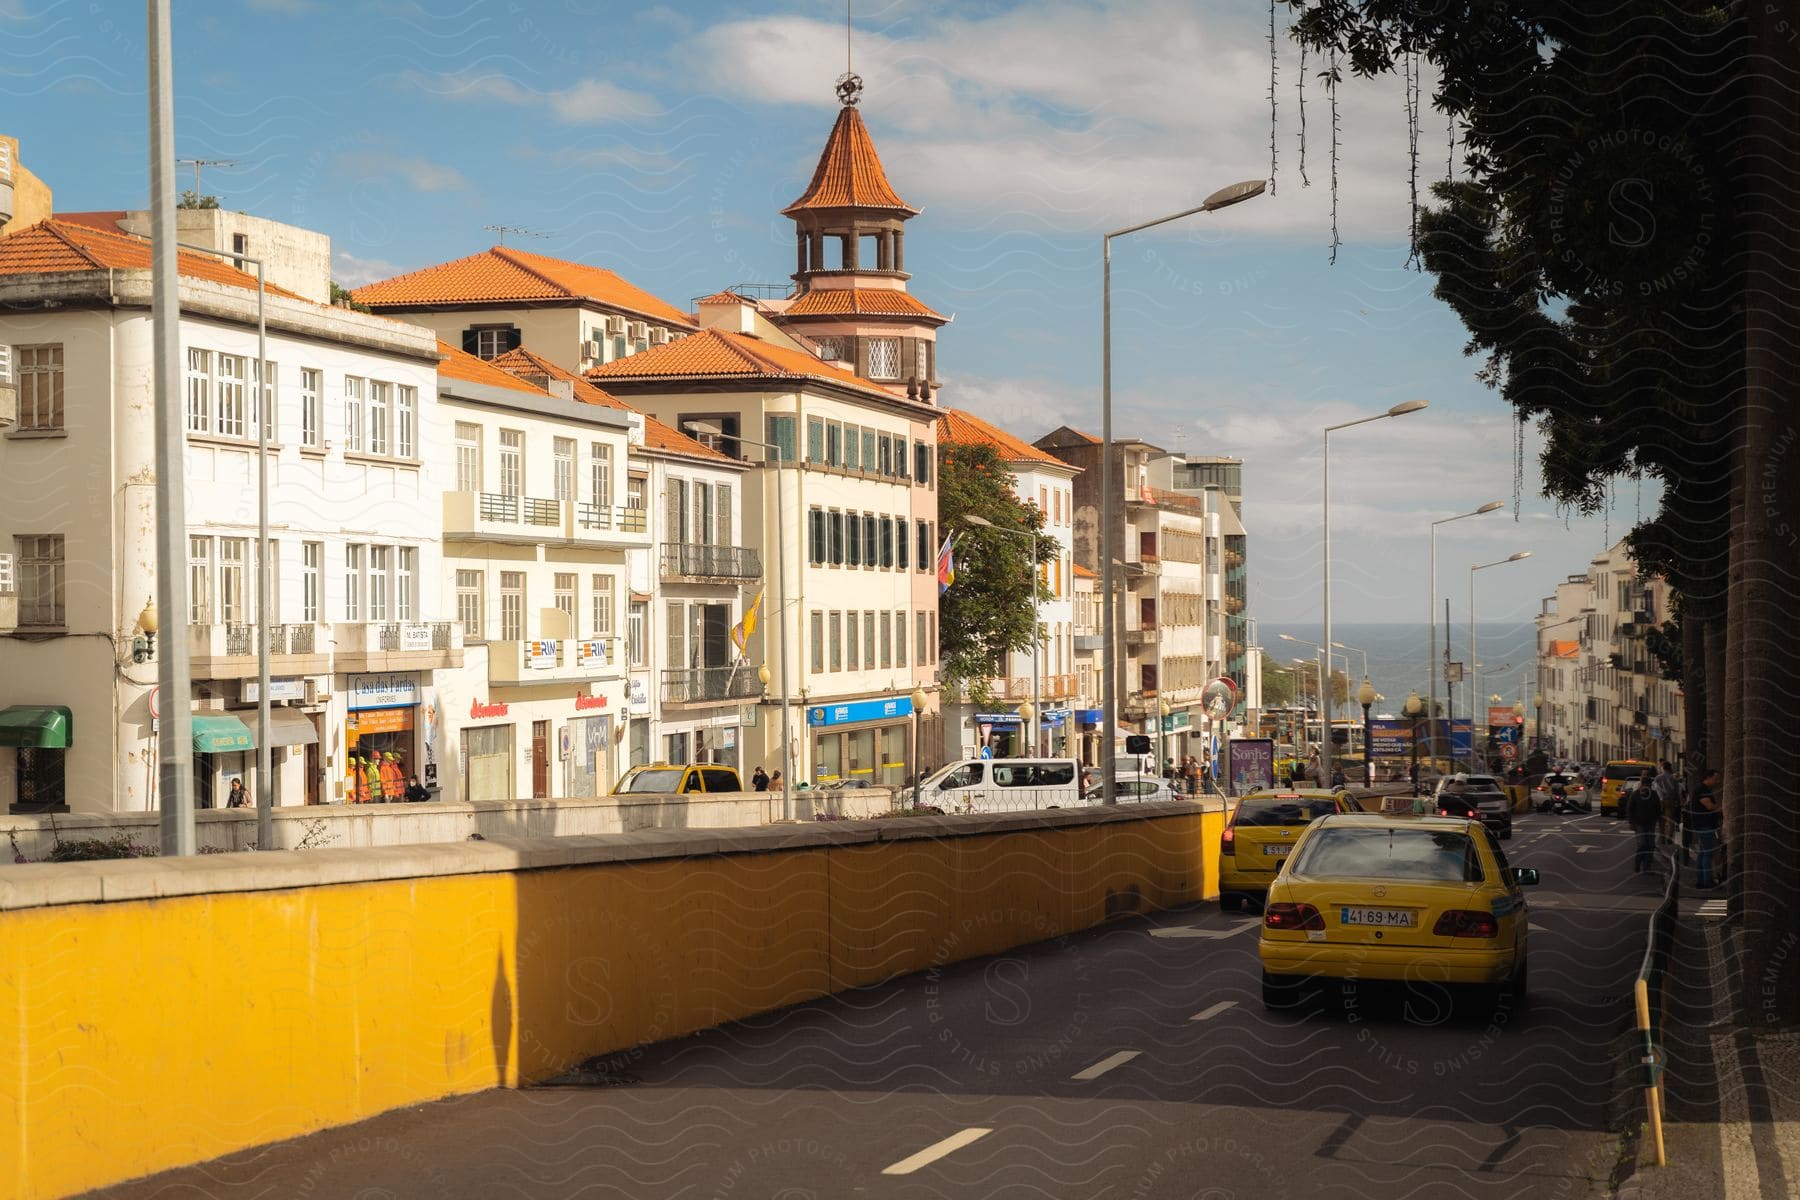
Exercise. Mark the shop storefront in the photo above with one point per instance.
(866, 741)
(1090, 724)
(380, 736)
(223, 747)
(586, 747)
(40, 737)
(487, 753)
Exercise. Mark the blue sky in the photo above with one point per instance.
(662, 141)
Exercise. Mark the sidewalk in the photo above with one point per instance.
(1732, 1127)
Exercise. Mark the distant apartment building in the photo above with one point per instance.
(504, 298)
(1085, 735)
(357, 623)
(1603, 690)
(1046, 673)
(1196, 475)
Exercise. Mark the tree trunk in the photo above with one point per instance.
(1693, 696)
(1768, 846)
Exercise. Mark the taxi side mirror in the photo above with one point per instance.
(1525, 876)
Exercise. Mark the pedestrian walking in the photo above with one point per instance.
(1192, 773)
(760, 780)
(1668, 794)
(775, 782)
(1315, 770)
(1643, 810)
(238, 797)
(1703, 817)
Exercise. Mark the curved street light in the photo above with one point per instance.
(1474, 654)
(1431, 664)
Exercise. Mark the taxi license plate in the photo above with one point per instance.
(1277, 851)
(1387, 917)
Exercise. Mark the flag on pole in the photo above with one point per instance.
(740, 633)
(946, 566)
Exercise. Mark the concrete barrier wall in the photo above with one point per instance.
(317, 826)
(159, 1013)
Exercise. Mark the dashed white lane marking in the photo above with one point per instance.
(1106, 1064)
(1214, 1011)
(935, 1151)
(1192, 931)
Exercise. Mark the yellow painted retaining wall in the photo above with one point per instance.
(160, 1029)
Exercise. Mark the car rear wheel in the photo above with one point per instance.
(1229, 902)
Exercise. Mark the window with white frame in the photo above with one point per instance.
(40, 383)
(468, 457)
(564, 595)
(635, 621)
(884, 358)
(512, 462)
(199, 390)
(271, 608)
(380, 568)
(600, 468)
(228, 395)
(234, 590)
(406, 573)
(831, 349)
(406, 422)
(469, 609)
(353, 413)
(312, 556)
(199, 581)
(264, 405)
(512, 606)
(380, 400)
(353, 583)
(312, 413)
(603, 605)
(40, 579)
(563, 462)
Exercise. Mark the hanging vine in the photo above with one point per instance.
(1331, 86)
(1304, 181)
(1273, 126)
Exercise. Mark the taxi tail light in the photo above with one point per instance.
(1293, 916)
(1467, 922)
(1228, 841)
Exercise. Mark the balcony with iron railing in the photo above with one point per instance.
(710, 685)
(687, 560)
(397, 645)
(227, 649)
(1018, 687)
(501, 516)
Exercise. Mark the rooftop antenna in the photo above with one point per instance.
(849, 84)
(518, 230)
(197, 163)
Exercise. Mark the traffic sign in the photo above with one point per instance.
(154, 693)
(1509, 750)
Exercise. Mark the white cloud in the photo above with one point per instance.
(352, 272)
(588, 102)
(420, 174)
(1070, 113)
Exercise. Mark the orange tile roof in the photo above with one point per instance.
(55, 245)
(884, 302)
(506, 273)
(716, 354)
(725, 296)
(849, 173)
(1565, 649)
(959, 428)
(460, 364)
(1082, 572)
(657, 435)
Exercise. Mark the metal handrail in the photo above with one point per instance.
(1649, 1000)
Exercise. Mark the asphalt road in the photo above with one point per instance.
(1133, 1061)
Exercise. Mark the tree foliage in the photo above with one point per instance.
(192, 199)
(988, 611)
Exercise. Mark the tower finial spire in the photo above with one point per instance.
(849, 84)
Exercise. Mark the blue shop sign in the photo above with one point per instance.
(859, 710)
(1090, 716)
(1055, 717)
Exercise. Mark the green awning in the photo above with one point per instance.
(214, 734)
(37, 727)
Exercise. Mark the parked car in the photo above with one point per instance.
(982, 784)
(656, 779)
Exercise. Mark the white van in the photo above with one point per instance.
(1003, 784)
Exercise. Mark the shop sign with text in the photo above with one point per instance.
(540, 655)
(383, 691)
(592, 652)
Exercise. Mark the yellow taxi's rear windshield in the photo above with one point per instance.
(1631, 771)
(1282, 810)
(655, 779)
(1431, 855)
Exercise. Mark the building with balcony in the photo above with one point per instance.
(1604, 694)
(356, 631)
(1197, 475)
(1046, 673)
(1168, 586)
(504, 298)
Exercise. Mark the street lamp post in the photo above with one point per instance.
(1365, 696)
(781, 597)
(1109, 500)
(1398, 410)
(918, 703)
(1027, 720)
(1431, 663)
(1162, 734)
(1413, 706)
(1037, 624)
(1322, 662)
(1474, 649)
(1537, 735)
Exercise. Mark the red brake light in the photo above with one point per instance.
(1227, 841)
(1465, 922)
(1293, 916)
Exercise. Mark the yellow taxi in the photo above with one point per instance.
(1263, 829)
(675, 779)
(1618, 777)
(1396, 897)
